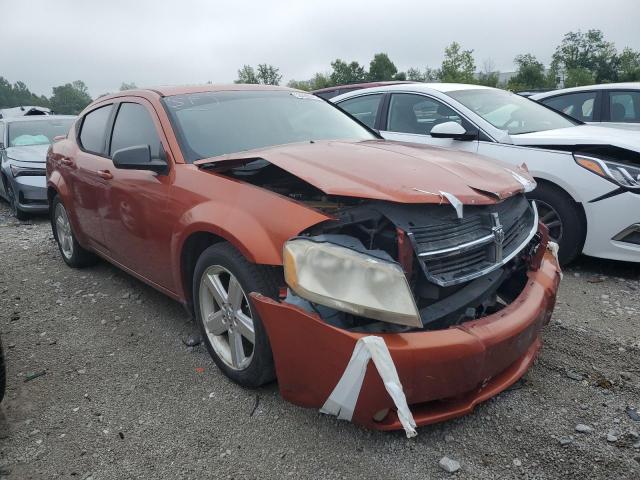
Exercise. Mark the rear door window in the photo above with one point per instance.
(94, 127)
(580, 106)
(134, 127)
(363, 108)
(624, 106)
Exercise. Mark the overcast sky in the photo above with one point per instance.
(158, 42)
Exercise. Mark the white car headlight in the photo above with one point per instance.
(620, 173)
(349, 281)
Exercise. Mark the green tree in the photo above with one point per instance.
(71, 98)
(580, 51)
(400, 76)
(529, 75)
(319, 80)
(458, 65)
(381, 68)
(629, 65)
(128, 86)
(344, 73)
(247, 75)
(19, 94)
(576, 77)
(416, 75)
(268, 74)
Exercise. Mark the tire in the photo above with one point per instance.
(563, 217)
(3, 374)
(248, 364)
(72, 253)
(13, 204)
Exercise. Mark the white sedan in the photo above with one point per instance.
(588, 177)
(608, 105)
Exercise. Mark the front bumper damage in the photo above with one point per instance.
(444, 373)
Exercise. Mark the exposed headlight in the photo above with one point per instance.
(627, 176)
(349, 281)
(27, 171)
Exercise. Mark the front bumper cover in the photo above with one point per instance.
(444, 373)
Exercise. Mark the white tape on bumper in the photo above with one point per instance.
(553, 247)
(342, 400)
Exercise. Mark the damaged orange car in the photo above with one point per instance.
(290, 230)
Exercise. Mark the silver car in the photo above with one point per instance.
(24, 142)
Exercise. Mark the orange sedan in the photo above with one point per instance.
(293, 233)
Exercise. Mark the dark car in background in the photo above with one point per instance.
(24, 142)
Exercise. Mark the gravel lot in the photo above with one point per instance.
(123, 397)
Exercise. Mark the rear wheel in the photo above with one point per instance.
(13, 204)
(72, 253)
(562, 216)
(231, 327)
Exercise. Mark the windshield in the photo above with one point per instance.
(37, 132)
(510, 112)
(209, 124)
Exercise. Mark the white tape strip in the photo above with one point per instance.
(342, 400)
(553, 247)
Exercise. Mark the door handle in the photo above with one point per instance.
(66, 161)
(106, 174)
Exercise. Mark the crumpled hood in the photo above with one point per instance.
(582, 135)
(392, 171)
(28, 153)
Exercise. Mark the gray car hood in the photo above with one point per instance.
(28, 153)
(581, 135)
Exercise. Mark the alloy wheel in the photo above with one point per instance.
(63, 231)
(550, 217)
(227, 317)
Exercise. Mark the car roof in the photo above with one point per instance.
(169, 90)
(420, 87)
(413, 87)
(588, 88)
(361, 85)
(36, 118)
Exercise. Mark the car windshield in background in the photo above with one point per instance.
(215, 123)
(37, 132)
(510, 112)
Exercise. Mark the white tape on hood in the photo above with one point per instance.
(342, 400)
(455, 202)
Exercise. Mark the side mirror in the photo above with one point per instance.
(138, 158)
(453, 130)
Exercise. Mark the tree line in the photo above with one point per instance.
(581, 58)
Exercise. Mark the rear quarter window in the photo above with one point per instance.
(93, 129)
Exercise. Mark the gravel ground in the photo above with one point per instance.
(123, 397)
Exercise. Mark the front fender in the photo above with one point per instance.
(257, 223)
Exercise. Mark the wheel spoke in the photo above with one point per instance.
(244, 324)
(235, 345)
(547, 216)
(217, 289)
(555, 223)
(214, 323)
(235, 294)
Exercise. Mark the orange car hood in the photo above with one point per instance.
(382, 170)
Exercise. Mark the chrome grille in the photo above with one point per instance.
(453, 250)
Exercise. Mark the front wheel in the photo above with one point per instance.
(231, 327)
(562, 216)
(13, 204)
